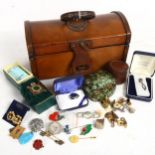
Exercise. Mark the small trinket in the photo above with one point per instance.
(36, 125)
(25, 137)
(119, 104)
(112, 118)
(38, 144)
(128, 106)
(87, 114)
(17, 132)
(75, 139)
(85, 130)
(36, 88)
(99, 123)
(67, 129)
(106, 103)
(122, 122)
(128, 102)
(55, 128)
(52, 137)
(55, 116)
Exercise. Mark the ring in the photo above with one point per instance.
(73, 96)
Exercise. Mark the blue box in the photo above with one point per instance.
(142, 64)
(69, 93)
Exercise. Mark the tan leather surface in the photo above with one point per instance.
(49, 43)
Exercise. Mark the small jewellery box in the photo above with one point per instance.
(34, 92)
(119, 70)
(139, 82)
(69, 93)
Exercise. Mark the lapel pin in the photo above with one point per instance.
(86, 129)
(52, 137)
(75, 139)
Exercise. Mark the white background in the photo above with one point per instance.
(138, 138)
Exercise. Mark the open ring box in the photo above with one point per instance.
(139, 82)
(34, 92)
(69, 93)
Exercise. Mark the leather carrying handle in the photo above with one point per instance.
(77, 15)
(81, 63)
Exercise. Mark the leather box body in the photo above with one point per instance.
(55, 47)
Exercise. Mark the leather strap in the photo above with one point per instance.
(81, 63)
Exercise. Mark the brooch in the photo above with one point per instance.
(36, 88)
(15, 113)
(38, 144)
(55, 128)
(15, 119)
(36, 125)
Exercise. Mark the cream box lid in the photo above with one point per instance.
(17, 73)
(142, 64)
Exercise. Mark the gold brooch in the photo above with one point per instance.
(16, 119)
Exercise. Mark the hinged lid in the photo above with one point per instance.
(54, 36)
(17, 73)
(143, 64)
(68, 84)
